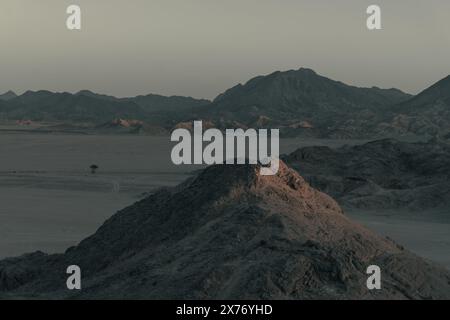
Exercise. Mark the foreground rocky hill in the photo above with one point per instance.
(229, 233)
(382, 174)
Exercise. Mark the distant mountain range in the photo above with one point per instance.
(299, 102)
(426, 113)
(86, 106)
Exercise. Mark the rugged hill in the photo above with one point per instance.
(428, 113)
(229, 233)
(7, 96)
(288, 99)
(154, 103)
(440, 91)
(383, 174)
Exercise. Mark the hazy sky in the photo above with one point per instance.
(202, 47)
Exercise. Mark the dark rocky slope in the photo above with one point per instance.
(230, 233)
(382, 174)
(428, 113)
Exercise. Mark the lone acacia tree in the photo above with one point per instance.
(94, 168)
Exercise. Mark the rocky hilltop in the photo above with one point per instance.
(229, 233)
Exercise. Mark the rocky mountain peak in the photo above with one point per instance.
(439, 90)
(247, 178)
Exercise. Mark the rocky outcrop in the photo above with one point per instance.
(382, 174)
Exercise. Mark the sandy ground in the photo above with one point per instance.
(428, 239)
(51, 212)
(49, 201)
